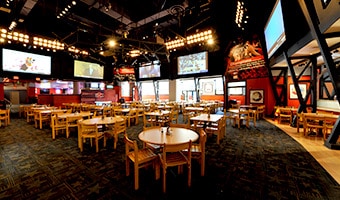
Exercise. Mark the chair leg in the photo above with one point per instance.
(136, 177)
(53, 133)
(189, 175)
(115, 141)
(97, 146)
(127, 166)
(164, 180)
(202, 165)
(67, 132)
(81, 146)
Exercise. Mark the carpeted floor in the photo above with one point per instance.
(255, 163)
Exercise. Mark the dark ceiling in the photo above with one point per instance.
(90, 23)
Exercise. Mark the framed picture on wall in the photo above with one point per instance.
(292, 91)
(256, 96)
(208, 88)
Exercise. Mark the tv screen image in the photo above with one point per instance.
(274, 30)
(150, 71)
(193, 63)
(24, 62)
(88, 70)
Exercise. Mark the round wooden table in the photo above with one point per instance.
(102, 121)
(176, 136)
(84, 115)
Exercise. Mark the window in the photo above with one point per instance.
(237, 88)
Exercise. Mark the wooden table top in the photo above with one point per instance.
(156, 113)
(323, 115)
(105, 120)
(205, 118)
(82, 114)
(191, 108)
(176, 136)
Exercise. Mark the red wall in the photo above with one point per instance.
(262, 84)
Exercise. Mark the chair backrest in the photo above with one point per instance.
(130, 146)
(54, 120)
(107, 111)
(170, 148)
(313, 120)
(243, 112)
(120, 126)
(174, 115)
(329, 121)
(179, 125)
(72, 120)
(150, 122)
(87, 128)
(117, 112)
(285, 111)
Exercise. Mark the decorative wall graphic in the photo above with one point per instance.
(208, 88)
(292, 91)
(256, 96)
(245, 60)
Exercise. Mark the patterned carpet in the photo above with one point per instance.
(255, 163)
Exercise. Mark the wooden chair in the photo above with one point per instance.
(198, 150)
(261, 111)
(4, 116)
(149, 121)
(57, 111)
(117, 112)
(71, 122)
(299, 122)
(253, 116)
(241, 117)
(174, 116)
(42, 118)
(140, 158)
(313, 124)
(8, 114)
(90, 131)
(164, 119)
(107, 111)
(140, 112)
(57, 125)
(86, 112)
(118, 128)
(29, 114)
(285, 114)
(328, 124)
(132, 117)
(179, 125)
(173, 156)
(218, 130)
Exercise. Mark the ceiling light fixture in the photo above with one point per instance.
(199, 37)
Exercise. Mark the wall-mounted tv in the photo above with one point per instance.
(150, 70)
(84, 69)
(274, 31)
(24, 62)
(193, 63)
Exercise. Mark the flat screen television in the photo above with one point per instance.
(84, 69)
(150, 70)
(274, 30)
(192, 63)
(24, 62)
